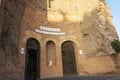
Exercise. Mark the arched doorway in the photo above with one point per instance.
(68, 59)
(32, 66)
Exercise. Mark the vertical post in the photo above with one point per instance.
(50, 3)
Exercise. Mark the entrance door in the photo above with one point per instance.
(32, 70)
(68, 58)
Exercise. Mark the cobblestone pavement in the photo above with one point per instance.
(86, 78)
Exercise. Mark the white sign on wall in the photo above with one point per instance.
(22, 50)
(49, 31)
(80, 52)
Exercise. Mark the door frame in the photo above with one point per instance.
(28, 43)
(75, 53)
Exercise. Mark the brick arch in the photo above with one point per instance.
(73, 43)
(32, 43)
(31, 34)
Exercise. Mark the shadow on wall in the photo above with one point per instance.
(11, 23)
(13, 14)
(14, 11)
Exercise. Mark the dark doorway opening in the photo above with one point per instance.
(68, 59)
(32, 68)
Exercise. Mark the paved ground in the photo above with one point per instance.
(86, 78)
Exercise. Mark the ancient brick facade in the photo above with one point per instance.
(85, 24)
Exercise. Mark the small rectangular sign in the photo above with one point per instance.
(22, 50)
(80, 52)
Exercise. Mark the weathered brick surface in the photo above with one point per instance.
(88, 24)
